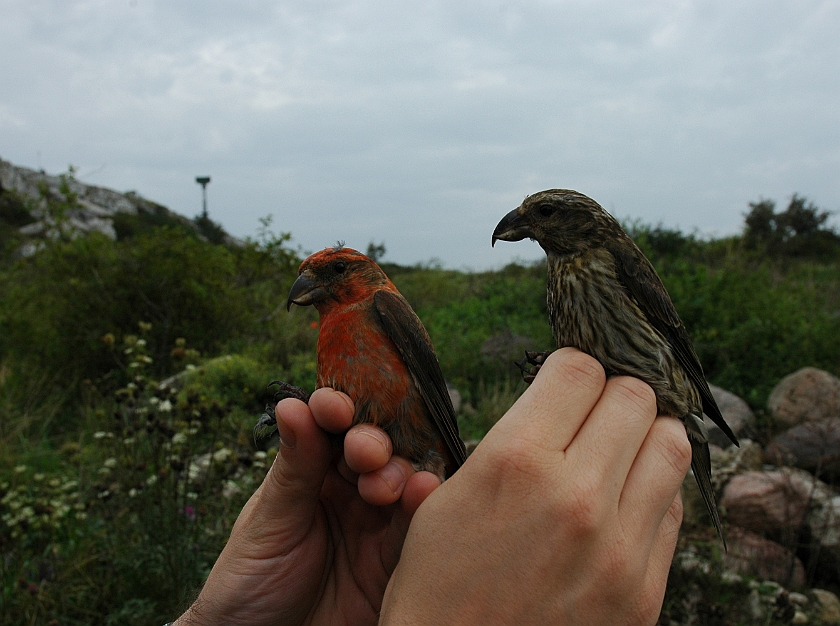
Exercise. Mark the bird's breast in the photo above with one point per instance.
(355, 356)
(590, 310)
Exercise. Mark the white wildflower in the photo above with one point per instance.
(230, 489)
(220, 456)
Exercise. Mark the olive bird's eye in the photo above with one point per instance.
(339, 267)
(546, 210)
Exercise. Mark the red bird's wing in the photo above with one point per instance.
(405, 329)
(643, 284)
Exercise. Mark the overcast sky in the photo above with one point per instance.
(420, 124)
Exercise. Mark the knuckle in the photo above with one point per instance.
(581, 508)
(635, 393)
(673, 445)
(516, 460)
(675, 512)
(616, 563)
(578, 367)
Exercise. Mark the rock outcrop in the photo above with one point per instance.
(94, 209)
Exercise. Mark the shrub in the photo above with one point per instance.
(124, 521)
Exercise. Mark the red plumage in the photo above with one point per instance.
(373, 347)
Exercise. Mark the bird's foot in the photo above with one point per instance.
(268, 421)
(285, 390)
(531, 364)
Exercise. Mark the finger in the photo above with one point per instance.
(385, 485)
(346, 473)
(366, 448)
(333, 410)
(417, 488)
(661, 556)
(288, 497)
(559, 400)
(655, 478)
(613, 433)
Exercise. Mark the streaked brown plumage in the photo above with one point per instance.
(606, 299)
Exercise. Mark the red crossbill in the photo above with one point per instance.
(373, 347)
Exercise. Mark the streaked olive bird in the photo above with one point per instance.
(606, 299)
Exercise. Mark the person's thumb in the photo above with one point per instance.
(288, 497)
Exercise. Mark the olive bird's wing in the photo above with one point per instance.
(639, 278)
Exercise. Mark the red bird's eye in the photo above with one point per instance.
(339, 267)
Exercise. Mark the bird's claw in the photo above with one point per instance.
(268, 421)
(531, 364)
(286, 390)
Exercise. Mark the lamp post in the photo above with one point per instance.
(203, 180)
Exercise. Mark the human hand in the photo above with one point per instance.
(318, 540)
(567, 512)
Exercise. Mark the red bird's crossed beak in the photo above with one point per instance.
(513, 227)
(304, 292)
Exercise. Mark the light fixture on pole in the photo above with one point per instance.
(203, 180)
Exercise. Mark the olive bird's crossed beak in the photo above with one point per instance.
(513, 227)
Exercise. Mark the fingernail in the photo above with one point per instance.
(347, 400)
(393, 476)
(377, 435)
(285, 434)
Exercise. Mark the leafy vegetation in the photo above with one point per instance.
(132, 372)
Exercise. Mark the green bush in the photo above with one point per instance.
(56, 305)
(124, 520)
(474, 308)
(753, 325)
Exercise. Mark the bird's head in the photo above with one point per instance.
(336, 275)
(562, 221)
